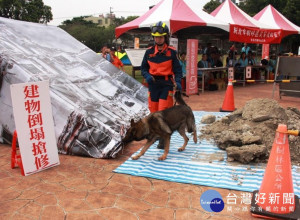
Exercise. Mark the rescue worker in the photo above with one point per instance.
(161, 69)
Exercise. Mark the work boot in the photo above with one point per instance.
(161, 144)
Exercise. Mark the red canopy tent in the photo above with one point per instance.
(177, 14)
(271, 16)
(244, 28)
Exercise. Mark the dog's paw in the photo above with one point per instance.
(163, 157)
(135, 157)
(181, 149)
(195, 139)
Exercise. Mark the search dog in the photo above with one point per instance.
(161, 125)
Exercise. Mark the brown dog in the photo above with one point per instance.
(162, 124)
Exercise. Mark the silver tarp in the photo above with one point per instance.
(92, 101)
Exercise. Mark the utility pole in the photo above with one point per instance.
(110, 11)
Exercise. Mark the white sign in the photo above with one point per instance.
(135, 56)
(248, 72)
(230, 73)
(34, 124)
(174, 43)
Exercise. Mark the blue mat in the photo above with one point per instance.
(201, 164)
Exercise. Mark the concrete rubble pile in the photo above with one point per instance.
(247, 134)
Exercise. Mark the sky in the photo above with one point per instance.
(67, 9)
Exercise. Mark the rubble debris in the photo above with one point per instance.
(208, 119)
(247, 134)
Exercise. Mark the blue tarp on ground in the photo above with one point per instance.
(201, 164)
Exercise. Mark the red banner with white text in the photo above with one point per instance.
(265, 51)
(244, 34)
(191, 67)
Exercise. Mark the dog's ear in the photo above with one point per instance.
(178, 98)
(131, 122)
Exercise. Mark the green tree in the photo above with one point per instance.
(86, 32)
(11, 8)
(289, 8)
(292, 11)
(119, 21)
(211, 6)
(126, 38)
(92, 35)
(31, 10)
(78, 20)
(252, 7)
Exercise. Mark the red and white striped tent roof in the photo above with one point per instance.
(244, 28)
(274, 18)
(232, 14)
(177, 14)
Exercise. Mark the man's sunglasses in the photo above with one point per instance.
(158, 29)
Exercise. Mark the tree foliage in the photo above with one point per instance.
(26, 10)
(85, 31)
(211, 6)
(292, 11)
(92, 35)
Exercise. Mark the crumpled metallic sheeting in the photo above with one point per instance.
(4, 66)
(79, 137)
(69, 132)
(1, 80)
(6, 135)
(92, 100)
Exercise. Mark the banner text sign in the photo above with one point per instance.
(34, 124)
(191, 67)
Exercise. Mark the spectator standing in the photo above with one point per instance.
(115, 60)
(231, 60)
(208, 76)
(108, 55)
(246, 48)
(272, 63)
(232, 48)
(272, 66)
(250, 60)
(241, 65)
(217, 62)
(203, 63)
(105, 53)
(216, 59)
(243, 60)
(182, 61)
(254, 59)
(207, 49)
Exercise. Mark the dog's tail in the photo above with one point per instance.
(178, 98)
